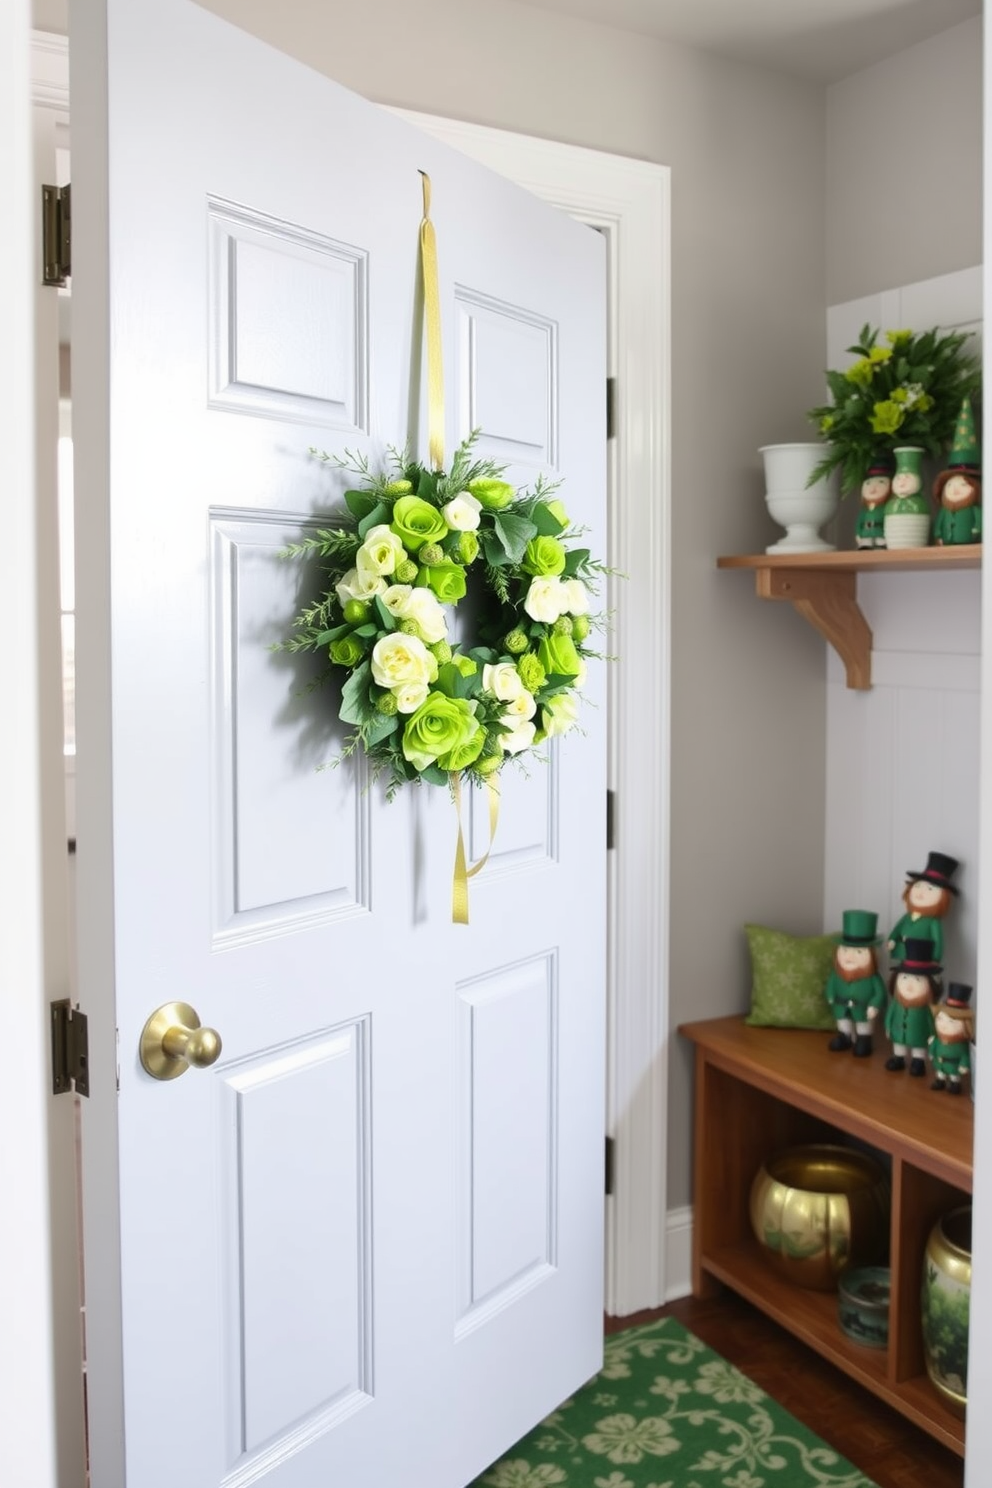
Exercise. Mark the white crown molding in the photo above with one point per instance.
(629, 200)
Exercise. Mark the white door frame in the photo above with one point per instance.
(630, 201)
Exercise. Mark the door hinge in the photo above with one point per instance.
(611, 820)
(70, 1049)
(56, 234)
(611, 407)
(610, 1146)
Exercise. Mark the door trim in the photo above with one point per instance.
(629, 201)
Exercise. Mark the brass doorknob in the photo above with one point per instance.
(173, 1039)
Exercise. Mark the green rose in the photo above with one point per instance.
(416, 522)
(442, 728)
(346, 651)
(531, 672)
(467, 547)
(558, 655)
(447, 581)
(466, 666)
(493, 494)
(543, 557)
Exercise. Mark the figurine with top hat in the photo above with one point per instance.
(915, 986)
(927, 897)
(958, 489)
(854, 990)
(954, 1033)
(876, 488)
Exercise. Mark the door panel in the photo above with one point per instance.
(384, 1202)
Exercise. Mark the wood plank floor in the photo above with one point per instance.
(878, 1440)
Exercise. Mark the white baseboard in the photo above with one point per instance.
(678, 1253)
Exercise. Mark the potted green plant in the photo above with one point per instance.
(904, 393)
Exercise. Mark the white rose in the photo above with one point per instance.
(520, 708)
(462, 512)
(423, 606)
(360, 584)
(410, 696)
(502, 680)
(560, 713)
(395, 599)
(381, 550)
(546, 599)
(577, 597)
(400, 660)
(522, 737)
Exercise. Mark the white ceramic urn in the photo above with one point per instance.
(800, 509)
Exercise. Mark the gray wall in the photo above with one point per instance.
(904, 167)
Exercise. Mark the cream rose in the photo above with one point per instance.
(410, 696)
(522, 737)
(522, 706)
(577, 596)
(381, 550)
(361, 584)
(419, 605)
(462, 512)
(502, 680)
(400, 660)
(547, 599)
(560, 713)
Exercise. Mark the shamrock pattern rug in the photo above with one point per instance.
(667, 1412)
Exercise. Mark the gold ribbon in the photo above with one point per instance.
(435, 440)
(459, 886)
(432, 318)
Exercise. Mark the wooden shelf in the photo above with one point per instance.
(823, 588)
(760, 1089)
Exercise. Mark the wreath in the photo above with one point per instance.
(419, 547)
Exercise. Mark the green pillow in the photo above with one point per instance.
(788, 977)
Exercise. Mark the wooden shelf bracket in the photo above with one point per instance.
(829, 601)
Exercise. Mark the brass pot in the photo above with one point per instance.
(945, 1302)
(819, 1209)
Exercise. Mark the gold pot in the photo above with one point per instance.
(819, 1209)
(945, 1306)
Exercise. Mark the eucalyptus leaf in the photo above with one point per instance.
(574, 560)
(380, 513)
(387, 621)
(356, 705)
(545, 522)
(496, 555)
(380, 726)
(514, 534)
(327, 636)
(360, 503)
(434, 775)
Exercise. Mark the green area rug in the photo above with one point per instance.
(667, 1412)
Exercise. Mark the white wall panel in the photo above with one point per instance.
(290, 838)
(508, 1135)
(297, 1166)
(527, 832)
(903, 758)
(507, 380)
(288, 321)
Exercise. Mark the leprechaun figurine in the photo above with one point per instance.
(915, 986)
(927, 897)
(958, 489)
(876, 488)
(954, 1032)
(854, 990)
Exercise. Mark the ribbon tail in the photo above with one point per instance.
(432, 320)
(462, 874)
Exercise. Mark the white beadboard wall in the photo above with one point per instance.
(903, 758)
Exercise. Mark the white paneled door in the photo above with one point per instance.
(363, 1248)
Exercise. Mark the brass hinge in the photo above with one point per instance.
(611, 820)
(610, 1146)
(56, 234)
(70, 1049)
(611, 407)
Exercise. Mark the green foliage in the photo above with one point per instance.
(909, 391)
